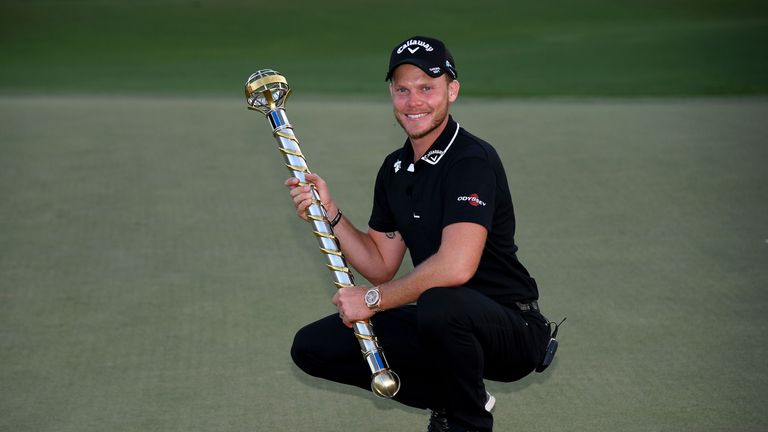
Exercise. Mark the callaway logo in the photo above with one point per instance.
(418, 43)
(397, 165)
(432, 156)
(473, 199)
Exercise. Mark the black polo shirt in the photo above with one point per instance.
(459, 179)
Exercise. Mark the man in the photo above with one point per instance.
(468, 310)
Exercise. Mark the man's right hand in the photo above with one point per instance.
(302, 195)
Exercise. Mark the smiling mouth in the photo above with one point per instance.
(415, 116)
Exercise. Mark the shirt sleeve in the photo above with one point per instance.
(381, 219)
(470, 192)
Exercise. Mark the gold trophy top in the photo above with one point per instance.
(266, 90)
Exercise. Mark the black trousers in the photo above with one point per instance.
(442, 348)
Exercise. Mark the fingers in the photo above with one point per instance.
(302, 194)
(338, 303)
(311, 178)
(351, 306)
(302, 199)
(315, 179)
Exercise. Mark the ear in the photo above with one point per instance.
(453, 90)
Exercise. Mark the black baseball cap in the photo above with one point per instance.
(429, 54)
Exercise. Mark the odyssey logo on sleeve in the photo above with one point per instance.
(473, 200)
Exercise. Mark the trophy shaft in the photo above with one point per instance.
(266, 91)
(297, 165)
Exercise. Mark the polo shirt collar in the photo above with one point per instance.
(438, 149)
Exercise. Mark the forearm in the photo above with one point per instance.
(351, 301)
(409, 288)
(453, 265)
(369, 253)
(362, 252)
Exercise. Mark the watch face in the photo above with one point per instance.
(371, 297)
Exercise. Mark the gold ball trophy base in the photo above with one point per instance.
(385, 384)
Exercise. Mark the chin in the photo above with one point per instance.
(421, 132)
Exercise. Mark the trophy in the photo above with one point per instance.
(266, 91)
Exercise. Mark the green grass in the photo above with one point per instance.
(153, 271)
(518, 48)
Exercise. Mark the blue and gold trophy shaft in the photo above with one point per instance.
(266, 91)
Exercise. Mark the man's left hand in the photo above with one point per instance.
(351, 304)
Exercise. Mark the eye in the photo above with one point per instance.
(426, 88)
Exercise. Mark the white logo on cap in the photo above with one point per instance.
(418, 43)
(434, 70)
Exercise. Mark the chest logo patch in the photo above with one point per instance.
(397, 166)
(433, 156)
(473, 200)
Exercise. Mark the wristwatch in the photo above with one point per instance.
(373, 299)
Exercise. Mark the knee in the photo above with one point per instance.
(304, 352)
(440, 310)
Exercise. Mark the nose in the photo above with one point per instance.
(414, 100)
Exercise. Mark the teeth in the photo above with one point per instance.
(415, 116)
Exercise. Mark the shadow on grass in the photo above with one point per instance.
(495, 387)
(348, 390)
(533, 379)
